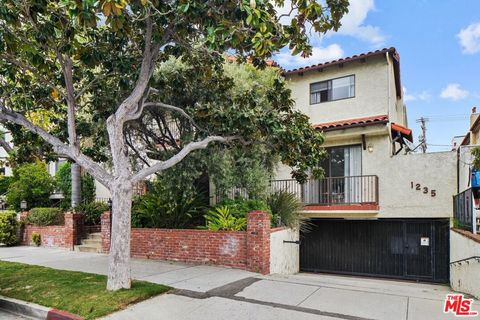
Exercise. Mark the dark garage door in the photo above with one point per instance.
(406, 249)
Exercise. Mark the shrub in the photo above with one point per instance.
(288, 208)
(92, 212)
(32, 183)
(36, 239)
(240, 207)
(8, 227)
(46, 217)
(163, 207)
(221, 218)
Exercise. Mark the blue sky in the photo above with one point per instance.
(439, 46)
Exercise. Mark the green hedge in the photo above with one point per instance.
(46, 217)
(8, 227)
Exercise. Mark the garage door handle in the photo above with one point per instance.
(287, 241)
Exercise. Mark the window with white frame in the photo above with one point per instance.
(334, 89)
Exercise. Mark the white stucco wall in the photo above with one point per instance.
(465, 277)
(284, 257)
(374, 92)
(435, 171)
(101, 191)
(397, 199)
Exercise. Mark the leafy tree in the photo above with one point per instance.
(64, 57)
(32, 183)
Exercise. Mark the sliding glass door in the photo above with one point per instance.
(341, 184)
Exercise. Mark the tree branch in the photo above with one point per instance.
(4, 144)
(192, 146)
(173, 108)
(59, 147)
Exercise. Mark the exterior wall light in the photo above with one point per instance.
(23, 205)
(370, 148)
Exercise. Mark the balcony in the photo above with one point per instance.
(463, 211)
(334, 193)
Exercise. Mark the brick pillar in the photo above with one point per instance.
(73, 222)
(258, 242)
(23, 215)
(106, 221)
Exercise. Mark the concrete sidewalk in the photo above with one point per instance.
(207, 292)
(198, 278)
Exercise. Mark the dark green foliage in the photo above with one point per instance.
(8, 227)
(167, 207)
(63, 179)
(476, 157)
(288, 208)
(92, 211)
(79, 293)
(36, 239)
(46, 217)
(220, 218)
(32, 183)
(4, 184)
(240, 207)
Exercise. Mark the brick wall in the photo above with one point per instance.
(248, 250)
(65, 236)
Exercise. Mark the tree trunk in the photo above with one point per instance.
(119, 258)
(76, 185)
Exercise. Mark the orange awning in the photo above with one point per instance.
(404, 131)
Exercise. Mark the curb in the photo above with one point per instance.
(34, 311)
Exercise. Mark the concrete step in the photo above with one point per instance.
(86, 248)
(96, 236)
(92, 242)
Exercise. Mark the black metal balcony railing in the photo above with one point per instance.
(463, 210)
(332, 190)
(326, 191)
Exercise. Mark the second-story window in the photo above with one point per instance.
(335, 89)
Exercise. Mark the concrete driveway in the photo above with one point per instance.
(206, 292)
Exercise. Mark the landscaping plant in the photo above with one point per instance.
(288, 207)
(46, 217)
(36, 239)
(92, 212)
(166, 206)
(8, 227)
(221, 218)
(240, 207)
(31, 182)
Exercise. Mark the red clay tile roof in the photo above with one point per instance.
(406, 132)
(358, 122)
(392, 51)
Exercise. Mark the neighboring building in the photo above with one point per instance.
(465, 210)
(380, 210)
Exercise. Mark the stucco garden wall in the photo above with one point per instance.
(284, 256)
(465, 277)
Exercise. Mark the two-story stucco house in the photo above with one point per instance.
(380, 210)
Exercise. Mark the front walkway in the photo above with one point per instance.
(206, 292)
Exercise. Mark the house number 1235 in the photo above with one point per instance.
(424, 190)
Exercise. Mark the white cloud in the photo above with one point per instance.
(353, 23)
(453, 92)
(469, 38)
(423, 96)
(319, 55)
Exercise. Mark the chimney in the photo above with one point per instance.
(474, 109)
